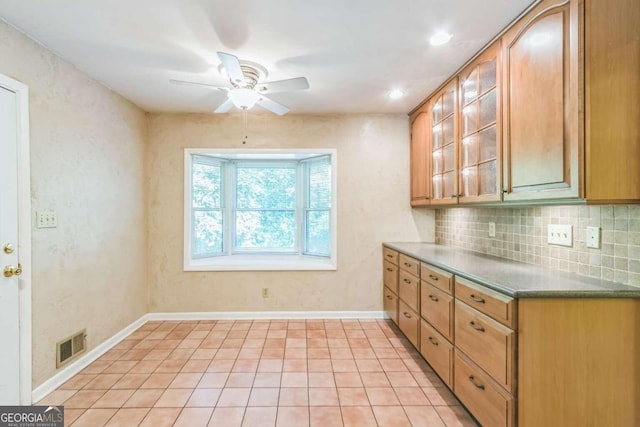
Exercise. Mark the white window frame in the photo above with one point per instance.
(242, 261)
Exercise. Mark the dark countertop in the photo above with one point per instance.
(514, 278)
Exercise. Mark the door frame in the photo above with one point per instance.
(24, 232)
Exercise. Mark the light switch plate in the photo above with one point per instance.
(561, 235)
(492, 229)
(46, 219)
(593, 237)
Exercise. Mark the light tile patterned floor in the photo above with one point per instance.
(260, 373)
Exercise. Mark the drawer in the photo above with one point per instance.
(409, 322)
(439, 278)
(492, 303)
(409, 264)
(488, 343)
(408, 288)
(437, 351)
(390, 304)
(390, 275)
(436, 307)
(487, 401)
(390, 255)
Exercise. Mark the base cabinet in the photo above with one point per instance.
(484, 398)
(525, 362)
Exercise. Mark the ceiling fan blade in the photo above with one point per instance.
(272, 106)
(232, 65)
(185, 83)
(299, 83)
(224, 107)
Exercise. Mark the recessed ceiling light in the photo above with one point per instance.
(396, 94)
(440, 38)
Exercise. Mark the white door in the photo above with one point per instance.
(9, 260)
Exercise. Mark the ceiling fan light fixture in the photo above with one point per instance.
(440, 38)
(243, 98)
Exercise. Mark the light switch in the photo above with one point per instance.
(561, 235)
(46, 219)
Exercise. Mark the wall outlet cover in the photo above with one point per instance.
(593, 237)
(492, 229)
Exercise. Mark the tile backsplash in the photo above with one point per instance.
(521, 235)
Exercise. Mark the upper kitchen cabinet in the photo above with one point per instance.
(480, 130)
(612, 100)
(541, 104)
(420, 153)
(443, 134)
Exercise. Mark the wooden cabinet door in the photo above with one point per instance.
(444, 134)
(420, 174)
(540, 104)
(480, 127)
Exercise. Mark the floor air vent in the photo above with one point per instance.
(69, 348)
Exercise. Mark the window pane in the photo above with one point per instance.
(318, 233)
(320, 184)
(207, 233)
(266, 187)
(265, 230)
(206, 181)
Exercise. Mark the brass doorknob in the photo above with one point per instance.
(10, 271)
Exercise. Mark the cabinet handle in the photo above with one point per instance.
(407, 315)
(433, 298)
(389, 269)
(407, 281)
(475, 326)
(432, 277)
(477, 299)
(433, 341)
(505, 191)
(407, 264)
(389, 256)
(453, 196)
(473, 381)
(389, 297)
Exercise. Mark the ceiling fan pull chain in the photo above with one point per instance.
(244, 117)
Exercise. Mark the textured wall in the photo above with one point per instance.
(521, 235)
(87, 164)
(373, 194)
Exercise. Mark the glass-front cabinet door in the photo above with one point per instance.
(444, 119)
(479, 168)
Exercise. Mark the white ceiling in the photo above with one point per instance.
(353, 52)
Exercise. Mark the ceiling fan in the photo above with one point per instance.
(247, 89)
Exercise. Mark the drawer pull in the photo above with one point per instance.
(432, 277)
(475, 326)
(433, 341)
(389, 256)
(473, 381)
(477, 299)
(389, 297)
(389, 269)
(407, 315)
(407, 281)
(407, 264)
(433, 298)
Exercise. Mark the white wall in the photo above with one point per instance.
(87, 164)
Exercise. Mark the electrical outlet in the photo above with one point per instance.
(46, 219)
(492, 229)
(561, 235)
(265, 292)
(593, 237)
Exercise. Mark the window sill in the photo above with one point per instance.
(260, 263)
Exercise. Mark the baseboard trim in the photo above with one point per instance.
(271, 315)
(64, 374)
